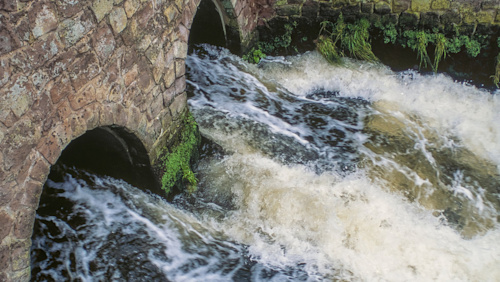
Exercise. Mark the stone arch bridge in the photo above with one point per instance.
(67, 67)
(113, 72)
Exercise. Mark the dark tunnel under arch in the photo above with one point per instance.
(111, 151)
(213, 25)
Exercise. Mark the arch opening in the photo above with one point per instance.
(212, 25)
(111, 151)
(104, 151)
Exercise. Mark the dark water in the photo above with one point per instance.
(350, 173)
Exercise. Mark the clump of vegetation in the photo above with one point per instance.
(177, 169)
(496, 77)
(419, 41)
(339, 38)
(278, 43)
(440, 51)
(327, 48)
(389, 32)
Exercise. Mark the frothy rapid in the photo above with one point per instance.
(320, 172)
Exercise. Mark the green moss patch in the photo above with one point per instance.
(177, 161)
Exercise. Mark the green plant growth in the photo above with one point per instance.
(177, 162)
(327, 48)
(440, 50)
(339, 38)
(389, 32)
(496, 77)
(419, 40)
(278, 43)
(254, 56)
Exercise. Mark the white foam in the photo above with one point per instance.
(453, 108)
(289, 216)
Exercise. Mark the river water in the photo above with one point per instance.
(315, 173)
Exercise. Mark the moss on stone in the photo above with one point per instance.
(177, 161)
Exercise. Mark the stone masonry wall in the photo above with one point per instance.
(432, 11)
(68, 66)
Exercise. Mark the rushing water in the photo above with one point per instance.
(318, 172)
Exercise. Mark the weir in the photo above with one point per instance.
(77, 74)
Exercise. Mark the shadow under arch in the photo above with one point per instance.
(215, 23)
(111, 151)
(104, 151)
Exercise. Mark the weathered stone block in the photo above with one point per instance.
(382, 8)
(469, 17)
(16, 97)
(180, 85)
(52, 145)
(130, 75)
(5, 255)
(399, 6)
(7, 43)
(450, 18)
(490, 5)
(72, 30)
(420, 5)
(145, 79)
(61, 63)
(9, 5)
(180, 68)
(178, 105)
(134, 116)
(84, 68)
(486, 17)
(41, 106)
(21, 138)
(101, 8)
(103, 42)
(7, 193)
(69, 8)
(157, 102)
(408, 20)
(390, 19)
(4, 71)
(21, 259)
(23, 226)
(60, 88)
(43, 50)
(351, 10)
(288, 10)
(131, 7)
(168, 95)
(310, 9)
(42, 18)
(429, 20)
(159, 68)
(367, 8)
(170, 13)
(22, 30)
(83, 98)
(34, 190)
(169, 77)
(7, 223)
(130, 93)
(118, 19)
(144, 16)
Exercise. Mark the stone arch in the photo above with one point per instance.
(67, 67)
(238, 18)
(215, 23)
(113, 151)
(107, 122)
